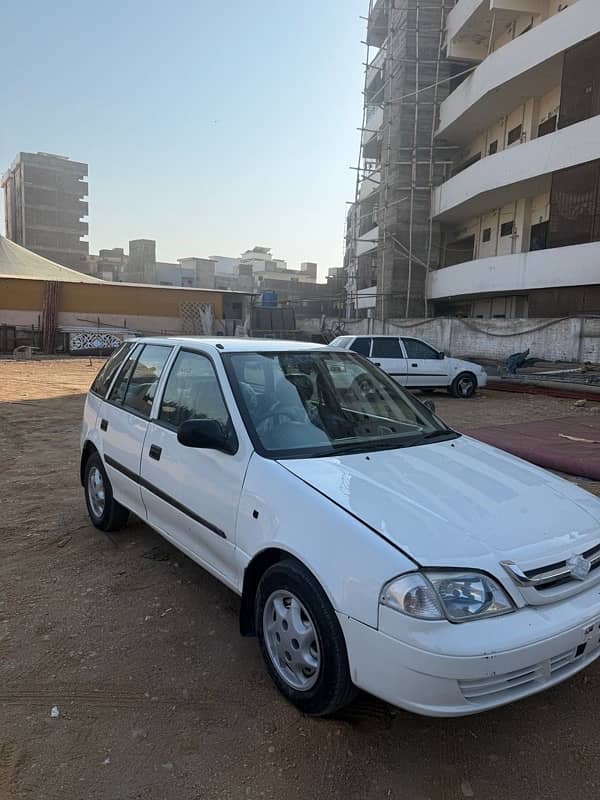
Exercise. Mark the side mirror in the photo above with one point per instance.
(429, 405)
(207, 434)
(441, 355)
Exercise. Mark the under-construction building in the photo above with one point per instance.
(392, 241)
(44, 203)
(478, 181)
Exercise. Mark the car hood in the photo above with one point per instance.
(459, 503)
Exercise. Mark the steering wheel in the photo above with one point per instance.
(278, 411)
(363, 386)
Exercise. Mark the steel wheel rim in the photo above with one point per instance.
(465, 387)
(291, 640)
(96, 492)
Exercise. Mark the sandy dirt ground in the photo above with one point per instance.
(159, 697)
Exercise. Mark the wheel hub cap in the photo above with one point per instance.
(465, 386)
(291, 640)
(96, 493)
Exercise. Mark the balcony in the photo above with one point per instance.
(578, 265)
(368, 241)
(529, 66)
(375, 80)
(472, 23)
(521, 171)
(377, 26)
(370, 184)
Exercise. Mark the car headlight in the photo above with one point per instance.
(457, 596)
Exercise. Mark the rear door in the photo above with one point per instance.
(124, 421)
(192, 494)
(388, 354)
(425, 367)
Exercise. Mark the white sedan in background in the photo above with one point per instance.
(417, 365)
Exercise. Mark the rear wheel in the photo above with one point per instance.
(464, 385)
(104, 511)
(301, 640)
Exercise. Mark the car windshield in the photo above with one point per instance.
(312, 403)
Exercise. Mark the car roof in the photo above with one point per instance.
(373, 336)
(231, 344)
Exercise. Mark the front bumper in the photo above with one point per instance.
(438, 685)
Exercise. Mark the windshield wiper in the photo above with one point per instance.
(444, 432)
(408, 441)
(368, 446)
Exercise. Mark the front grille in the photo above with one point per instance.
(518, 682)
(551, 576)
(593, 555)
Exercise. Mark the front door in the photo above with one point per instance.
(425, 367)
(192, 494)
(387, 353)
(124, 421)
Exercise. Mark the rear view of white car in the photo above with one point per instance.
(416, 364)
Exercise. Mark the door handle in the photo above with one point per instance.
(155, 452)
(377, 363)
(414, 365)
(104, 425)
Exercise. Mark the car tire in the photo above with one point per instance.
(464, 385)
(301, 640)
(104, 511)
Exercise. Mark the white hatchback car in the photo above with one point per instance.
(371, 545)
(416, 364)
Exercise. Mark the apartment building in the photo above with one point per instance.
(519, 210)
(478, 189)
(44, 205)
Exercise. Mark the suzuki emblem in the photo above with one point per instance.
(579, 566)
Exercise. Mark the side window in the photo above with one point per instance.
(109, 370)
(362, 345)
(137, 384)
(117, 393)
(418, 349)
(341, 341)
(384, 347)
(192, 392)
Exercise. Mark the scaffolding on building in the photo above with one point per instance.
(416, 78)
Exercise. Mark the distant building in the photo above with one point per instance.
(250, 272)
(141, 266)
(44, 206)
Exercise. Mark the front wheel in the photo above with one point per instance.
(464, 385)
(104, 511)
(301, 640)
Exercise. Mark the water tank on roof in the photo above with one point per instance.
(269, 299)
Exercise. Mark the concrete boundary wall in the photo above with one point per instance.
(568, 339)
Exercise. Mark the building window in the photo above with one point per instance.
(493, 148)
(514, 135)
(575, 205)
(549, 126)
(507, 228)
(459, 251)
(580, 92)
(539, 236)
(486, 235)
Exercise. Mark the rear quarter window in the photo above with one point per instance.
(104, 378)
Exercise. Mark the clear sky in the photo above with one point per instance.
(208, 126)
